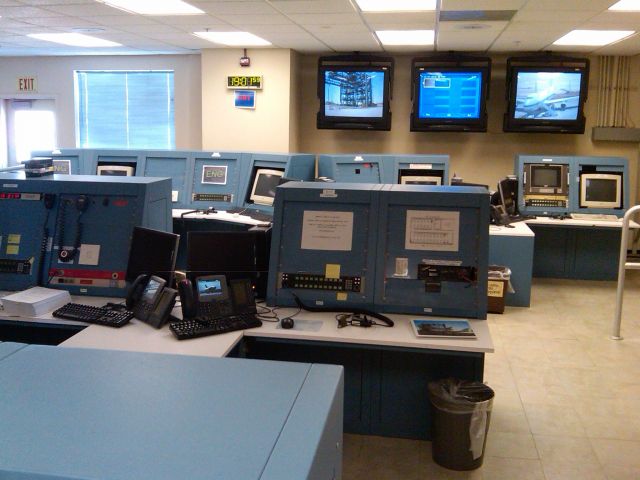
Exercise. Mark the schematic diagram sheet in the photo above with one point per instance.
(432, 230)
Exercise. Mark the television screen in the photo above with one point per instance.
(450, 98)
(545, 176)
(357, 94)
(354, 97)
(449, 94)
(548, 95)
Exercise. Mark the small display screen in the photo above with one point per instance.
(114, 173)
(450, 95)
(548, 95)
(545, 177)
(150, 291)
(601, 190)
(214, 174)
(357, 94)
(266, 184)
(62, 167)
(209, 289)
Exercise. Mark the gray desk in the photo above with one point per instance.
(96, 414)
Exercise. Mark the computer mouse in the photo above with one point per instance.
(286, 323)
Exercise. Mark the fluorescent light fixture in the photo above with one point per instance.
(592, 38)
(74, 39)
(405, 37)
(626, 6)
(396, 5)
(234, 39)
(154, 7)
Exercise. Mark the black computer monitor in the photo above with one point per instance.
(508, 190)
(242, 254)
(152, 252)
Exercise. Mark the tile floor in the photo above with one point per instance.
(567, 402)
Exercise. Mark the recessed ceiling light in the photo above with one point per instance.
(154, 7)
(592, 38)
(396, 5)
(405, 37)
(234, 39)
(74, 39)
(626, 6)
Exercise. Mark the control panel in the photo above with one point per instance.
(546, 201)
(320, 282)
(212, 197)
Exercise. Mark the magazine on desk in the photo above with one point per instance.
(442, 328)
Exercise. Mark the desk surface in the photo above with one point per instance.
(220, 215)
(570, 222)
(98, 414)
(517, 229)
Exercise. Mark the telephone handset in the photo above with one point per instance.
(151, 300)
(66, 254)
(210, 297)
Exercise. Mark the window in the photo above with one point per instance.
(125, 109)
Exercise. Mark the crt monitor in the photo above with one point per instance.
(542, 178)
(601, 190)
(420, 180)
(116, 170)
(264, 186)
(153, 252)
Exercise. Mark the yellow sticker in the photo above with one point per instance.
(14, 238)
(332, 270)
(13, 249)
(341, 296)
(495, 288)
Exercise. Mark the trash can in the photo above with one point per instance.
(497, 287)
(460, 414)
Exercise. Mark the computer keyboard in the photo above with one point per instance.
(202, 327)
(108, 316)
(601, 217)
(255, 214)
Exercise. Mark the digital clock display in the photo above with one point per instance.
(10, 196)
(253, 82)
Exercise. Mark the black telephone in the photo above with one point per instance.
(212, 298)
(499, 216)
(151, 300)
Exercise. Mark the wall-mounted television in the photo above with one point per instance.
(354, 94)
(546, 97)
(601, 190)
(449, 99)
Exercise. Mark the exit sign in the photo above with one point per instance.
(27, 84)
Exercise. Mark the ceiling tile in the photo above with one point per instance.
(185, 20)
(466, 41)
(481, 28)
(57, 2)
(572, 16)
(578, 5)
(94, 9)
(614, 19)
(263, 29)
(236, 8)
(313, 6)
(25, 12)
(630, 46)
(60, 22)
(124, 20)
(326, 19)
(482, 4)
(267, 19)
(428, 19)
(339, 28)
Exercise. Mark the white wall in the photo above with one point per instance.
(55, 80)
(265, 129)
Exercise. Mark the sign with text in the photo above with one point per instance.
(27, 84)
(245, 98)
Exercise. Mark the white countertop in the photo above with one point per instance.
(517, 229)
(570, 222)
(219, 215)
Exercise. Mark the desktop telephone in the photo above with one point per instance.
(210, 297)
(151, 300)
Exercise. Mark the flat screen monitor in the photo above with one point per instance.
(546, 99)
(116, 170)
(449, 99)
(264, 186)
(152, 252)
(354, 97)
(508, 189)
(601, 190)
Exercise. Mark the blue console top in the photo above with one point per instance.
(100, 414)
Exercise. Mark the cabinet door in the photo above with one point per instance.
(597, 252)
(551, 257)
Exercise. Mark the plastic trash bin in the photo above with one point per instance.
(460, 414)
(497, 287)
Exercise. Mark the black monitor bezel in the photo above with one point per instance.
(167, 275)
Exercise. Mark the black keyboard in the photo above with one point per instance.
(202, 327)
(108, 316)
(255, 214)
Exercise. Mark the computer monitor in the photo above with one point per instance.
(116, 170)
(542, 178)
(264, 186)
(242, 254)
(601, 190)
(508, 189)
(420, 180)
(153, 252)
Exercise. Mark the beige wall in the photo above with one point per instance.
(477, 157)
(267, 128)
(55, 80)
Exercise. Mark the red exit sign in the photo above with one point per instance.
(27, 84)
